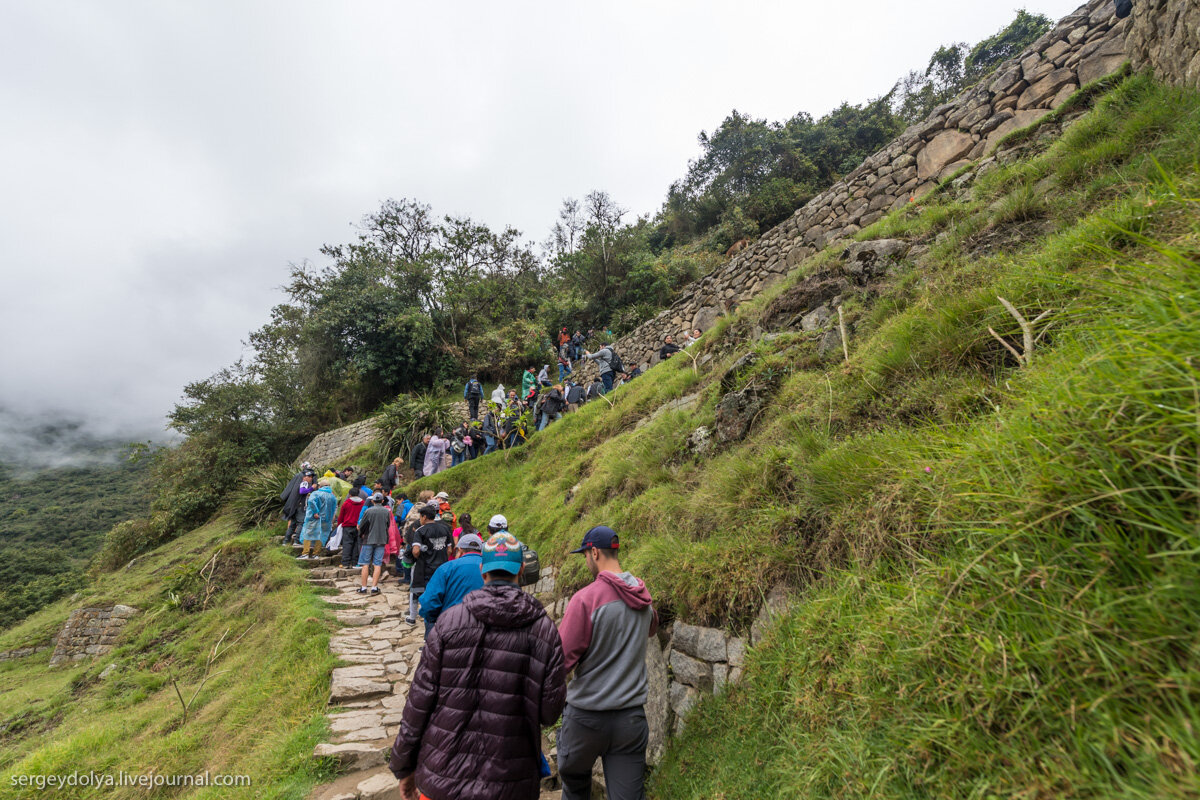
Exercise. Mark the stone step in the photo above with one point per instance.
(346, 689)
(357, 755)
(377, 783)
(327, 582)
(323, 561)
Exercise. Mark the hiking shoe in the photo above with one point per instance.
(361, 590)
(410, 621)
(303, 558)
(376, 590)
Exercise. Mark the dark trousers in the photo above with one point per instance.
(617, 738)
(350, 546)
(293, 529)
(473, 405)
(607, 379)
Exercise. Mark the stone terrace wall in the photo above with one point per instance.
(1086, 45)
(90, 632)
(1165, 36)
(329, 448)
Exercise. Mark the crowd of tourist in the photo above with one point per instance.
(509, 416)
(493, 667)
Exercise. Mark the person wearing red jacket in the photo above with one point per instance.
(347, 517)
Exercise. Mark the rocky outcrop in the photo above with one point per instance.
(1084, 46)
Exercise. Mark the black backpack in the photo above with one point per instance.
(616, 363)
(474, 389)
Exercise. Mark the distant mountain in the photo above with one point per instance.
(33, 442)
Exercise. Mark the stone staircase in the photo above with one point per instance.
(380, 653)
(367, 695)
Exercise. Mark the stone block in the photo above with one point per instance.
(735, 649)
(1020, 119)
(683, 699)
(658, 701)
(943, 149)
(690, 671)
(1040, 93)
(348, 689)
(382, 786)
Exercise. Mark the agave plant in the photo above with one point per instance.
(256, 501)
(406, 419)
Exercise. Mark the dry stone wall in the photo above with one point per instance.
(1165, 36)
(329, 448)
(90, 632)
(1084, 46)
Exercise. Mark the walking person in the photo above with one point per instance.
(391, 475)
(453, 580)
(351, 509)
(490, 677)
(564, 362)
(473, 393)
(429, 549)
(490, 430)
(376, 522)
(435, 453)
(295, 500)
(604, 632)
(552, 406)
(417, 458)
(318, 520)
(604, 358)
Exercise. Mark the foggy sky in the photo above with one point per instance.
(163, 162)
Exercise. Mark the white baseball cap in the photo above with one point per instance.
(498, 522)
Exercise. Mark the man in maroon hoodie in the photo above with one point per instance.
(604, 633)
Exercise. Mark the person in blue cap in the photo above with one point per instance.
(604, 633)
(453, 581)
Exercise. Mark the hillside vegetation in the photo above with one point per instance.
(256, 711)
(997, 565)
(70, 509)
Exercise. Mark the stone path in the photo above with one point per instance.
(380, 653)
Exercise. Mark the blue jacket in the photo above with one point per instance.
(451, 582)
(318, 515)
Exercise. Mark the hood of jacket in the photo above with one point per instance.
(355, 498)
(503, 605)
(631, 590)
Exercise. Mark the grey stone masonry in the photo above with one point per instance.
(328, 448)
(1088, 44)
(90, 632)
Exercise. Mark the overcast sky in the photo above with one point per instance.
(163, 162)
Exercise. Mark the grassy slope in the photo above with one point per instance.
(260, 716)
(999, 565)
